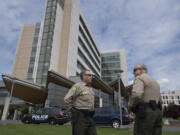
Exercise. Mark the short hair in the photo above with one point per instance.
(83, 72)
(143, 66)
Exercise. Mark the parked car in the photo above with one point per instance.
(111, 116)
(47, 115)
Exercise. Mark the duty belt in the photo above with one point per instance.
(86, 112)
(153, 105)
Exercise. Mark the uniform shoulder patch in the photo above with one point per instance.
(136, 80)
(74, 88)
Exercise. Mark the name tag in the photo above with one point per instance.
(85, 92)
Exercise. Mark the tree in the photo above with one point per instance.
(173, 111)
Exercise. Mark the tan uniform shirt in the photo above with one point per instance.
(145, 88)
(80, 96)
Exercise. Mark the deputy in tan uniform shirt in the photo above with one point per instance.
(80, 101)
(145, 103)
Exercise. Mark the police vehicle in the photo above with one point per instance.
(47, 115)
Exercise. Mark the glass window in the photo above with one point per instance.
(43, 43)
(106, 110)
(54, 9)
(98, 110)
(54, 3)
(49, 42)
(46, 23)
(34, 49)
(37, 31)
(42, 51)
(44, 36)
(89, 35)
(38, 81)
(80, 66)
(88, 43)
(45, 29)
(46, 64)
(44, 81)
(30, 70)
(40, 65)
(51, 27)
(88, 53)
(48, 8)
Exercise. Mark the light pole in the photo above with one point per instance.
(120, 98)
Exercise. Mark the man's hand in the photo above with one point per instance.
(131, 108)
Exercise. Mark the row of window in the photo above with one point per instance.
(87, 62)
(110, 54)
(110, 72)
(87, 32)
(110, 58)
(111, 65)
(170, 97)
(46, 44)
(80, 66)
(88, 53)
(171, 102)
(88, 43)
(33, 52)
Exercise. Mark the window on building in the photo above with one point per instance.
(89, 35)
(88, 53)
(88, 43)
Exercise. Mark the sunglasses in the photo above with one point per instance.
(87, 74)
(137, 69)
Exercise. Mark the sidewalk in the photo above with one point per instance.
(10, 122)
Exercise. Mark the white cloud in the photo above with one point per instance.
(163, 82)
(147, 29)
(13, 15)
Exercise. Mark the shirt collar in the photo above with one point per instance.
(85, 84)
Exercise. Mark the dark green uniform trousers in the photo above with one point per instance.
(83, 124)
(150, 125)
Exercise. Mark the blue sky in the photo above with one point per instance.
(149, 30)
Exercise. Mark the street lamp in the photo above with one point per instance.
(120, 98)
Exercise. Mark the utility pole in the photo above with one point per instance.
(120, 98)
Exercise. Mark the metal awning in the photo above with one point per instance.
(63, 81)
(115, 86)
(27, 91)
(99, 84)
(59, 79)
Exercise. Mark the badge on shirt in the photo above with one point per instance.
(136, 80)
(73, 88)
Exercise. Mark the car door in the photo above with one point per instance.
(97, 115)
(36, 117)
(106, 114)
(45, 114)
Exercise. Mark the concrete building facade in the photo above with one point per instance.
(113, 62)
(170, 97)
(62, 42)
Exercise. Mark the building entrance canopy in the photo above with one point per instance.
(115, 86)
(37, 94)
(63, 81)
(27, 91)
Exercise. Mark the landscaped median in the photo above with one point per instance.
(33, 129)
